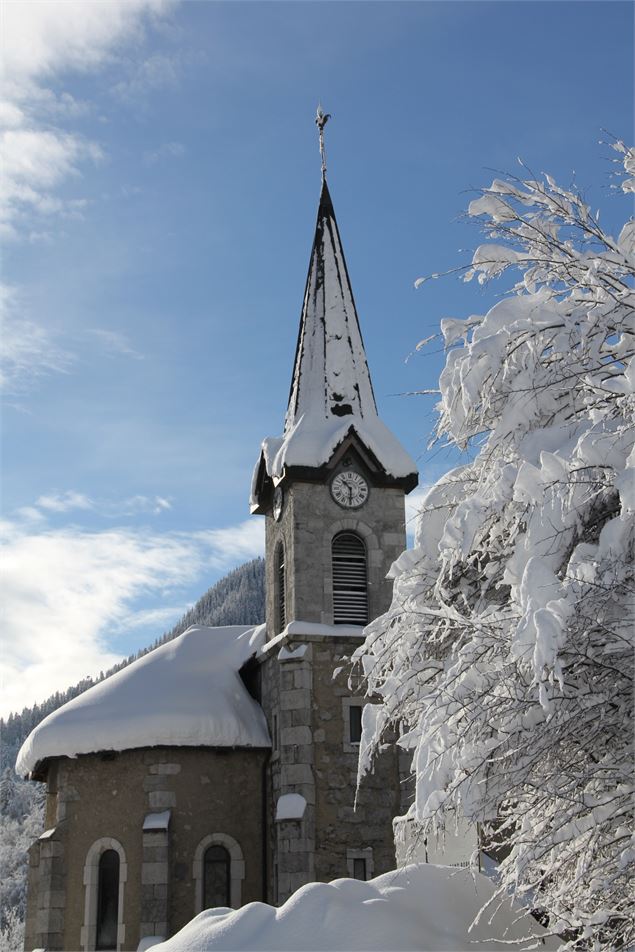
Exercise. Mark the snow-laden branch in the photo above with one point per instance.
(506, 659)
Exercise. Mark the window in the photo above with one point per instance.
(359, 868)
(218, 871)
(275, 739)
(280, 588)
(107, 900)
(352, 708)
(105, 874)
(360, 863)
(216, 877)
(350, 581)
(355, 724)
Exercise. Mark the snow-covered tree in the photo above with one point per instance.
(506, 659)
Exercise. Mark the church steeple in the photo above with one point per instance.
(331, 400)
(330, 375)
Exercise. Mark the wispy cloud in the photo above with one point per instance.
(40, 154)
(63, 502)
(114, 343)
(69, 592)
(69, 500)
(168, 150)
(156, 72)
(27, 350)
(41, 43)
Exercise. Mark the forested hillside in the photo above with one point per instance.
(238, 598)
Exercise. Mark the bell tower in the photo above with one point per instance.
(331, 489)
(332, 486)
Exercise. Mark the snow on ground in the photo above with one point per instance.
(187, 692)
(420, 908)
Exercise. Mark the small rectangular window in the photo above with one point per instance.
(355, 723)
(274, 730)
(359, 869)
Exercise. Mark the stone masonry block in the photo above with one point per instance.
(302, 678)
(49, 920)
(155, 854)
(49, 849)
(165, 769)
(287, 681)
(295, 735)
(296, 773)
(299, 754)
(57, 899)
(152, 873)
(155, 757)
(155, 837)
(293, 700)
(293, 862)
(161, 799)
(153, 910)
(154, 783)
(303, 845)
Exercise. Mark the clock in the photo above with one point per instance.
(349, 489)
(278, 500)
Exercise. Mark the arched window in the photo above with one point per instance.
(350, 579)
(218, 872)
(280, 589)
(216, 877)
(107, 900)
(105, 874)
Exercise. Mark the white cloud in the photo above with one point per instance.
(244, 541)
(41, 42)
(67, 591)
(44, 37)
(63, 502)
(27, 350)
(70, 499)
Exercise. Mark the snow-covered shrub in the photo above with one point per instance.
(506, 658)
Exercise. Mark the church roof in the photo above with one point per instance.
(187, 692)
(331, 391)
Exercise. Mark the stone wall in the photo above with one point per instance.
(347, 823)
(313, 758)
(109, 797)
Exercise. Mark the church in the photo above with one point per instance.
(220, 769)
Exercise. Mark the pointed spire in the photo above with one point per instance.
(330, 376)
(331, 397)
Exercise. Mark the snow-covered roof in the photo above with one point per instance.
(187, 692)
(331, 390)
(426, 908)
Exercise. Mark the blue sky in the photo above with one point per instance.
(160, 191)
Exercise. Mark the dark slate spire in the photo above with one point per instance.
(330, 376)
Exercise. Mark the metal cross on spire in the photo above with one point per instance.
(320, 120)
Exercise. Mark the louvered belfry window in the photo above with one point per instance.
(350, 581)
(281, 607)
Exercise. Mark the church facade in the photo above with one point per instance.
(220, 769)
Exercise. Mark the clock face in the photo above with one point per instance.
(349, 489)
(278, 500)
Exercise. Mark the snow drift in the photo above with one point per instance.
(416, 908)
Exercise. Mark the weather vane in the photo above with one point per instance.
(320, 120)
